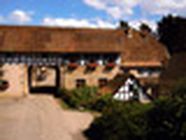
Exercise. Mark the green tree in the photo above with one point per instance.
(145, 28)
(124, 25)
(172, 33)
(179, 90)
(165, 118)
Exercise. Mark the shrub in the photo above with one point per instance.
(80, 97)
(165, 118)
(86, 98)
(102, 102)
(119, 121)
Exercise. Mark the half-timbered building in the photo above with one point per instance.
(33, 58)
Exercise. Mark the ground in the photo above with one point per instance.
(40, 117)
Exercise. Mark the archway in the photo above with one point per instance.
(43, 79)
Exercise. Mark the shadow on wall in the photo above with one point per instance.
(44, 90)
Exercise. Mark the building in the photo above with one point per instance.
(36, 58)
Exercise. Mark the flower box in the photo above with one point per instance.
(72, 65)
(92, 65)
(110, 65)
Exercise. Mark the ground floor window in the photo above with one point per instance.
(80, 83)
(102, 82)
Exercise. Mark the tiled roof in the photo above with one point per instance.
(63, 40)
(135, 49)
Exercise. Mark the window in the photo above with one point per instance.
(144, 72)
(103, 82)
(148, 72)
(80, 83)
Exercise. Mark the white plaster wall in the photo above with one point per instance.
(16, 75)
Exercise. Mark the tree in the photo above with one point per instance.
(172, 33)
(179, 90)
(124, 25)
(165, 118)
(145, 28)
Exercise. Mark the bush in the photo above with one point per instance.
(85, 98)
(81, 97)
(165, 118)
(120, 121)
(102, 102)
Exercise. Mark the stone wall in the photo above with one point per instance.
(68, 78)
(16, 75)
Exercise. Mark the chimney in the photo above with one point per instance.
(126, 28)
(145, 29)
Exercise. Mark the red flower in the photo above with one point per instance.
(110, 65)
(92, 65)
(72, 65)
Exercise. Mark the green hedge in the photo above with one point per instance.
(85, 98)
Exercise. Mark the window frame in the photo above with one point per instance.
(80, 83)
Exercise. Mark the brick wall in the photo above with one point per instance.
(16, 75)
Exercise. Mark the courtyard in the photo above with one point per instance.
(40, 117)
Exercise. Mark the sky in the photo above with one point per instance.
(88, 13)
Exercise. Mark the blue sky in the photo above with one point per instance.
(88, 13)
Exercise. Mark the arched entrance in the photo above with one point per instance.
(43, 79)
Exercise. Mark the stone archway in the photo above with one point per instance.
(43, 79)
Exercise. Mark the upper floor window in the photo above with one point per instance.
(148, 72)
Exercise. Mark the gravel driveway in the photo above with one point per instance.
(39, 117)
